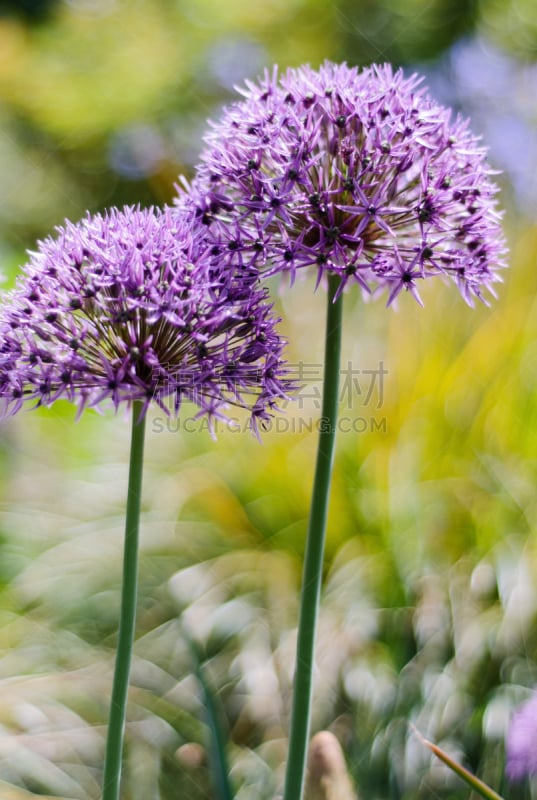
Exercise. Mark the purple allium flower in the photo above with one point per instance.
(358, 173)
(126, 307)
(521, 741)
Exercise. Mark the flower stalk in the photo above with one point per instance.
(127, 624)
(313, 563)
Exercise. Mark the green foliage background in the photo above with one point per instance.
(430, 598)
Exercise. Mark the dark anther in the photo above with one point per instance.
(112, 384)
(332, 234)
(425, 211)
(16, 394)
(51, 316)
(321, 259)
(65, 377)
(134, 353)
(308, 100)
(215, 250)
(252, 163)
(366, 161)
(426, 252)
(44, 388)
(292, 174)
(252, 131)
(350, 269)
(125, 316)
(258, 246)
(288, 255)
(233, 245)
(139, 246)
(75, 303)
(32, 358)
(372, 210)
(206, 219)
(446, 182)
(348, 184)
(74, 343)
(385, 147)
(203, 352)
(314, 199)
(341, 121)
(275, 202)
(406, 277)
(289, 98)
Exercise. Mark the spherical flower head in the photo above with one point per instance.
(125, 307)
(358, 173)
(521, 748)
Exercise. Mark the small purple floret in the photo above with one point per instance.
(127, 306)
(521, 742)
(358, 173)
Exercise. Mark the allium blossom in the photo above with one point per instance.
(125, 307)
(358, 173)
(521, 747)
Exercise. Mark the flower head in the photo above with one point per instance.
(357, 173)
(521, 751)
(126, 307)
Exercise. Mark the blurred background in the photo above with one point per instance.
(430, 599)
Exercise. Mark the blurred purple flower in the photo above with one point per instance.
(521, 741)
(125, 307)
(136, 151)
(358, 173)
(497, 91)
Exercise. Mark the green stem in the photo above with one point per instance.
(313, 562)
(217, 740)
(118, 705)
